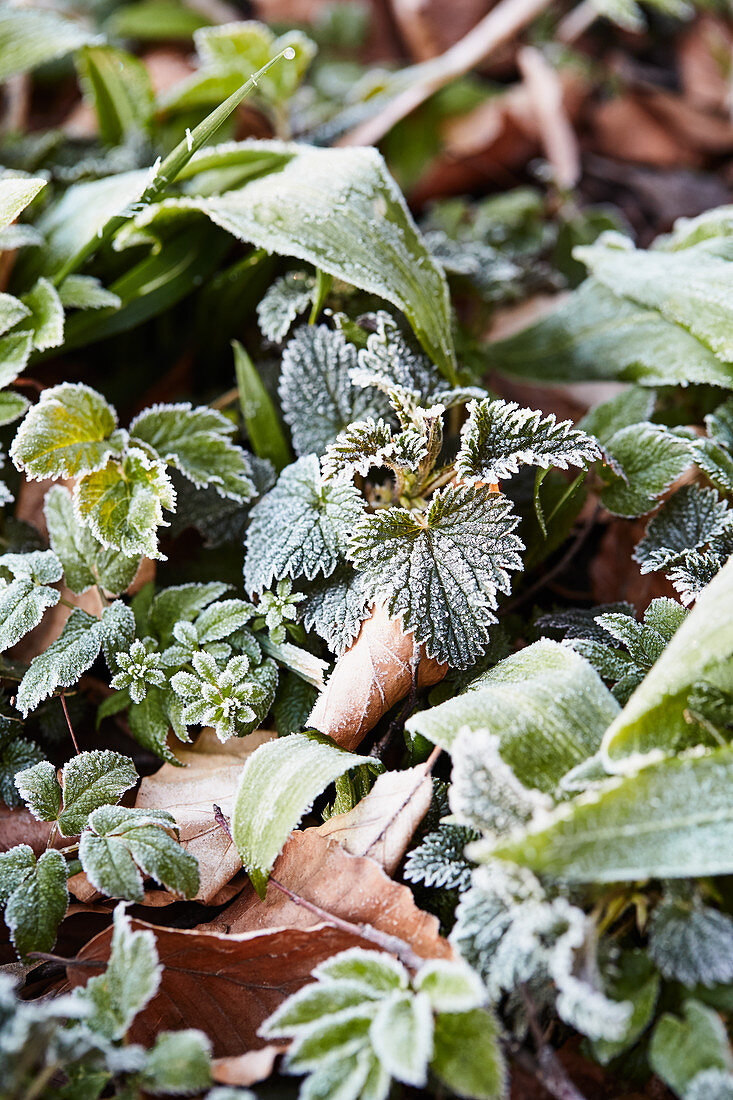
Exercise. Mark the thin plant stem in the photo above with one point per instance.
(68, 722)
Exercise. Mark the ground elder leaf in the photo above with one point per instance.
(40, 790)
(402, 1037)
(69, 432)
(467, 1056)
(46, 320)
(179, 1064)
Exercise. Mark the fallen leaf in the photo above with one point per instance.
(353, 888)
(382, 824)
(226, 985)
(249, 1068)
(210, 777)
(704, 51)
(21, 827)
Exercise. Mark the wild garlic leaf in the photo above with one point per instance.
(499, 437)
(38, 904)
(46, 320)
(197, 442)
(701, 649)
(62, 663)
(441, 572)
(288, 297)
(17, 754)
(650, 459)
(361, 445)
(130, 981)
(86, 292)
(691, 942)
(317, 396)
(179, 1063)
(597, 334)
(672, 819)
(31, 37)
(687, 521)
(279, 782)
(15, 194)
(86, 562)
(70, 431)
(40, 790)
(90, 780)
(336, 606)
(684, 1047)
(300, 528)
(123, 502)
(120, 843)
(117, 85)
(22, 606)
(546, 704)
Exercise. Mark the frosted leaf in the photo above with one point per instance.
(197, 442)
(139, 669)
(687, 521)
(300, 528)
(179, 1063)
(499, 437)
(86, 562)
(46, 320)
(440, 573)
(485, 793)
(32, 37)
(699, 567)
(401, 1035)
(62, 663)
(16, 754)
(694, 1044)
(15, 193)
(361, 445)
(37, 904)
(12, 310)
(122, 504)
(630, 15)
(289, 296)
(716, 462)
(317, 396)
(710, 1084)
(691, 942)
(230, 699)
(439, 860)
(40, 790)
(181, 601)
(39, 566)
(86, 292)
(22, 606)
(15, 352)
(650, 458)
(450, 986)
(70, 431)
(720, 424)
(582, 622)
(90, 780)
(389, 361)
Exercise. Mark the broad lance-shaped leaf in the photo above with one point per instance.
(683, 1048)
(597, 335)
(63, 662)
(440, 572)
(702, 649)
(672, 819)
(15, 194)
(340, 210)
(70, 431)
(31, 37)
(300, 528)
(279, 782)
(546, 704)
(118, 86)
(86, 562)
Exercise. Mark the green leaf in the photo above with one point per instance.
(259, 413)
(118, 86)
(130, 981)
(402, 1037)
(15, 194)
(499, 437)
(86, 292)
(118, 841)
(90, 780)
(17, 754)
(359, 447)
(597, 335)
(687, 521)
(12, 310)
(31, 36)
(22, 606)
(123, 503)
(69, 432)
(450, 986)
(181, 601)
(702, 649)
(682, 1047)
(40, 790)
(16, 864)
(150, 723)
(546, 705)
(15, 351)
(46, 320)
(467, 1057)
(673, 819)
(179, 1064)
(39, 566)
(336, 606)
(196, 441)
(380, 973)
(636, 980)
(301, 211)
(440, 572)
(300, 528)
(38, 904)
(85, 560)
(632, 406)
(286, 298)
(279, 783)
(12, 406)
(691, 943)
(62, 663)
(650, 458)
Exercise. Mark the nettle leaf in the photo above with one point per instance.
(691, 942)
(123, 502)
(439, 860)
(70, 431)
(440, 572)
(300, 528)
(698, 568)
(716, 462)
(120, 843)
(357, 448)
(389, 362)
(316, 375)
(31, 37)
(197, 442)
(336, 606)
(46, 320)
(37, 904)
(687, 521)
(179, 1063)
(649, 459)
(62, 663)
(701, 649)
(22, 606)
(485, 793)
(279, 782)
(86, 562)
(86, 292)
(288, 297)
(17, 754)
(684, 1047)
(15, 194)
(499, 437)
(130, 981)
(672, 819)
(545, 703)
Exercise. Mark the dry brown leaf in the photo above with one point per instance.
(20, 827)
(369, 679)
(429, 27)
(623, 128)
(382, 824)
(224, 985)
(210, 777)
(247, 1069)
(704, 56)
(353, 888)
